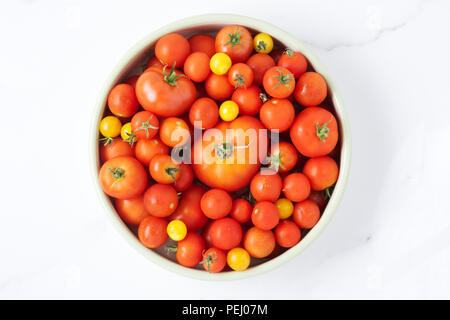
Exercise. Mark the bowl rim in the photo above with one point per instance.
(282, 36)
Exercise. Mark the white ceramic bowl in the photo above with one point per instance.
(212, 23)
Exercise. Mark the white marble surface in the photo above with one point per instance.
(389, 239)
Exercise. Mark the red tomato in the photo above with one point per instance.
(283, 157)
(152, 231)
(259, 243)
(132, 82)
(116, 148)
(122, 100)
(296, 187)
(132, 211)
(240, 75)
(260, 63)
(144, 125)
(196, 66)
(153, 62)
(235, 41)
(214, 260)
(206, 234)
(161, 200)
(278, 82)
(265, 215)
(306, 214)
(123, 178)
(189, 210)
(314, 132)
(287, 234)
(185, 179)
(276, 54)
(172, 49)
(146, 149)
(248, 100)
(226, 233)
(174, 132)
(203, 43)
(164, 169)
(205, 111)
(190, 249)
(322, 172)
(266, 186)
(241, 211)
(294, 62)
(216, 203)
(218, 87)
(319, 198)
(165, 93)
(311, 89)
(277, 114)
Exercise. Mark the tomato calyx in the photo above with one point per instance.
(264, 98)
(108, 140)
(223, 150)
(117, 173)
(131, 139)
(328, 191)
(235, 38)
(172, 77)
(322, 131)
(275, 161)
(283, 79)
(240, 81)
(208, 260)
(261, 46)
(145, 125)
(171, 172)
(289, 52)
(172, 249)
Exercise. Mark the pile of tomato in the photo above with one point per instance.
(229, 212)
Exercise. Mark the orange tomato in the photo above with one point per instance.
(132, 211)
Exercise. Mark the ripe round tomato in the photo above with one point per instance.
(278, 82)
(165, 93)
(172, 49)
(152, 231)
(287, 234)
(220, 63)
(132, 82)
(266, 186)
(164, 169)
(260, 63)
(226, 233)
(306, 214)
(311, 89)
(189, 210)
(214, 260)
(277, 114)
(314, 132)
(174, 132)
(185, 179)
(283, 157)
(154, 62)
(263, 43)
(146, 149)
(123, 178)
(241, 211)
(229, 163)
(110, 127)
(235, 41)
(122, 100)
(115, 148)
(238, 259)
(203, 43)
(144, 125)
(161, 200)
(296, 187)
(205, 111)
(190, 249)
(265, 215)
(248, 100)
(285, 208)
(259, 243)
(228, 110)
(240, 75)
(176, 230)
(216, 203)
(322, 172)
(132, 211)
(196, 66)
(218, 87)
(294, 62)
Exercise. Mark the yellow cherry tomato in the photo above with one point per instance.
(110, 127)
(127, 134)
(220, 63)
(263, 43)
(285, 208)
(238, 259)
(228, 110)
(176, 230)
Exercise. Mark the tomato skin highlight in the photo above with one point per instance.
(322, 172)
(122, 100)
(226, 233)
(172, 49)
(311, 89)
(306, 214)
(296, 187)
(189, 210)
(259, 243)
(216, 203)
(152, 231)
(287, 234)
(265, 215)
(266, 186)
(160, 200)
(132, 211)
(189, 251)
(277, 114)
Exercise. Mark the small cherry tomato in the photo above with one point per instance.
(216, 203)
(228, 110)
(306, 214)
(285, 208)
(172, 49)
(196, 66)
(263, 43)
(185, 179)
(115, 148)
(220, 63)
(214, 260)
(236, 41)
(287, 234)
(146, 149)
(322, 172)
(279, 82)
(259, 243)
(248, 100)
(190, 249)
(218, 87)
(161, 200)
(238, 259)
(132, 211)
(176, 230)
(266, 186)
(110, 127)
(294, 62)
(283, 157)
(203, 43)
(240, 75)
(205, 112)
(164, 169)
(226, 233)
(311, 89)
(277, 114)
(265, 215)
(122, 100)
(241, 211)
(189, 210)
(152, 231)
(296, 187)
(174, 132)
(144, 125)
(260, 63)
